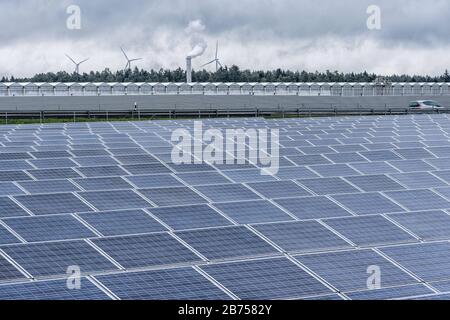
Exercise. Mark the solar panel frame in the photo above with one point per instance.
(347, 270)
(51, 259)
(172, 284)
(51, 290)
(267, 279)
(227, 243)
(147, 250)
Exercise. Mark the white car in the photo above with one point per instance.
(425, 105)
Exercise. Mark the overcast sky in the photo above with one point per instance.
(255, 34)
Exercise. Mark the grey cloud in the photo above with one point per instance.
(277, 30)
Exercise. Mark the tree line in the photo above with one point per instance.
(225, 74)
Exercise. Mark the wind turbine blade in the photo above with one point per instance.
(208, 63)
(219, 63)
(70, 59)
(136, 59)
(123, 51)
(84, 60)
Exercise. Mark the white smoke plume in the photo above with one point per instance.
(198, 43)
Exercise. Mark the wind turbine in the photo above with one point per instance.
(77, 65)
(129, 61)
(216, 59)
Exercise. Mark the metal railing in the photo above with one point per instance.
(7, 117)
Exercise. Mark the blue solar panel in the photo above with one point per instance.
(173, 284)
(390, 293)
(227, 192)
(374, 168)
(99, 161)
(442, 286)
(347, 270)
(136, 159)
(53, 163)
(441, 163)
(14, 156)
(51, 290)
(9, 188)
(146, 169)
(279, 189)
(287, 173)
(149, 250)
(6, 176)
(375, 183)
(53, 203)
(190, 217)
(429, 261)
(50, 154)
(90, 153)
(345, 157)
(206, 178)
(54, 258)
(411, 166)
(248, 175)
(309, 160)
(107, 171)
(165, 197)
(380, 155)
(266, 279)
(113, 183)
(154, 181)
(48, 186)
(419, 200)
(326, 297)
(431, 225)
(9, 208)
(334, 170)
(302, 236)
(49, 228)
(370, 230)
(115, 200)
(312, 208)
(419, 180)
(8, 272)
(367, 203)
(53, 174)
(226, 243)
(7, 237)
(116, 223)
(253, 212)
(414, 153)
(15, 165)
(444, 175)
(325, 186)
(437, 297)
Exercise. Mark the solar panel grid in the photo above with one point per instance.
(362, 165)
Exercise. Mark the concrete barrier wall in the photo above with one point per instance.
(111, 103)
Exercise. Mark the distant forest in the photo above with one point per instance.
(226, 74)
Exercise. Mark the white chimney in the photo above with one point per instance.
(189, 69)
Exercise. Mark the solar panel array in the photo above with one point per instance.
(351, 193)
